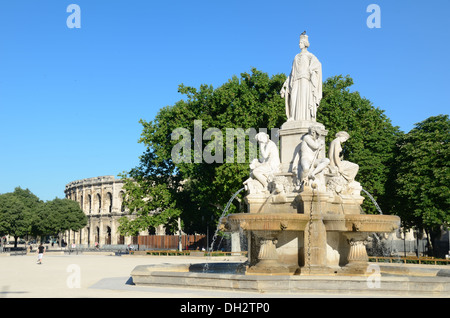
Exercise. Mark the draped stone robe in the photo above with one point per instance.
(304, 88)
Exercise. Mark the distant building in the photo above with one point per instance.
(101, 199)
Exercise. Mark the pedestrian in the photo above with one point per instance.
(40, 251)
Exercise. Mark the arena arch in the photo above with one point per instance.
(89, 203)
(109, 201)
(98, 203)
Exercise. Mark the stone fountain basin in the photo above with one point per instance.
(298, 222)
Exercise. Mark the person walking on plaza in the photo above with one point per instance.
(40, 251)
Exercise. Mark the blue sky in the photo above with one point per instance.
(71, 99)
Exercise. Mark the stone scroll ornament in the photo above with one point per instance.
(262, 171)
(302, 90)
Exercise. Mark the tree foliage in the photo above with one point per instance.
(423, 175)
(198, 191)
(23, 213)
(60, 215)
(372, 137)
(17, 212)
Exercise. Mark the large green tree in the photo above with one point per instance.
(60, 215)
(23, 213)
(17, 212)
(372, 140)
(423, 176)
(199, 190)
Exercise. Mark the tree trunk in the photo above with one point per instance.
(430, 240)
(2, 244)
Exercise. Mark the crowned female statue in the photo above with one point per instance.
(302, 90)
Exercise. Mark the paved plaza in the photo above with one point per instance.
(97, 276)
(108, 276)
(90, 276)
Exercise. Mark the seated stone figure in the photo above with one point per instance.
(309, 162)
(345, 168)
(263, 170)
(342, 172)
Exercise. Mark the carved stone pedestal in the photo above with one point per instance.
(291, 133)
(268, 262)
(358, 260)
(313, 204)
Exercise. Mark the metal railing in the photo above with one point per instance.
(80, 249)
(15, 251)
(410, 260)
(186, 253)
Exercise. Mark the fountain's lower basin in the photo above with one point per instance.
(416, 280)
(304, 254)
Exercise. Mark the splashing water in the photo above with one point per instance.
(223, 215)
(373, 200)
(220, 222)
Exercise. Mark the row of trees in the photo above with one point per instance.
(22, 213)
(407, 173)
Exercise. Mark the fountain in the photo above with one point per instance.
(304, 224)
(307, 221)
(306, 216)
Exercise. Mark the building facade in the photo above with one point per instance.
(101, 199)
